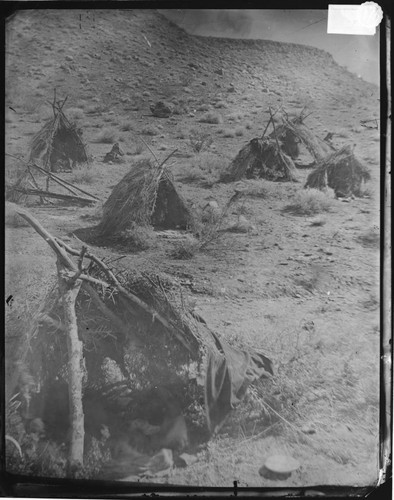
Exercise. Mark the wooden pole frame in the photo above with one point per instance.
(69, 278)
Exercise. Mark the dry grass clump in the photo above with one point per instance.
(186, 249)
(234, 117)
(220, 105)
(180, 109)
(138, 149)
(106, 136)
(199, 141)
(83, 174)
(75, 113)
(150, 130)
(206, 226)
(181, 134)
(204, 107)
(239, 131)
(126, 126)
(310, 201)
(94, 109)
(318, 222)
(212, 118)
(229, 133)
(205, 167)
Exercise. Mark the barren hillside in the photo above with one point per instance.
(300, 286)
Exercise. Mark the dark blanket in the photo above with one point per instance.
(229, 372)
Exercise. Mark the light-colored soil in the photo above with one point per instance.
(305, 294)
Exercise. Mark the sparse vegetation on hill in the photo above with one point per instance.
(281, 270)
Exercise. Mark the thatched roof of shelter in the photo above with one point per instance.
(292, 132)
(145, 196)
(132, 349)
(340, 171)
(58, 142)
(261, 158)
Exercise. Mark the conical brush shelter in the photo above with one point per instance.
(340, 171)
(58, 143)
(145, 196)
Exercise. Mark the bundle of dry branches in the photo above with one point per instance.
(340, 171)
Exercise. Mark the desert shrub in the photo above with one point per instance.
(199, 141)
(185, 249)
(205, 167)
(220, 105)
(207, 225)
(126, 126)
(138, 149)
(137, 237)
(248, 125)
(106, 136)
(204, 107)
(180, 109)
(83, 174)
(186, 79)
(239, 131)
(206, 229)
(228, 132)
(212, 118)
(318, 222)
(30, 105)
(150, 130)
(311, 201)
(94, 109)
(75, 113)
(234, 117)
(181, 134)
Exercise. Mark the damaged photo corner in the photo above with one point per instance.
(197, 251)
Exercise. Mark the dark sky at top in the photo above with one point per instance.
(360, 54)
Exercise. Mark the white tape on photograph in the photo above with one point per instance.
(354, 19)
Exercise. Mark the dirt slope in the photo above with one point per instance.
(303, 289)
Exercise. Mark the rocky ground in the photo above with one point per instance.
(302, 288)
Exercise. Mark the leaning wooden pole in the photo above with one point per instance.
(69, 289)
(70, 281)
